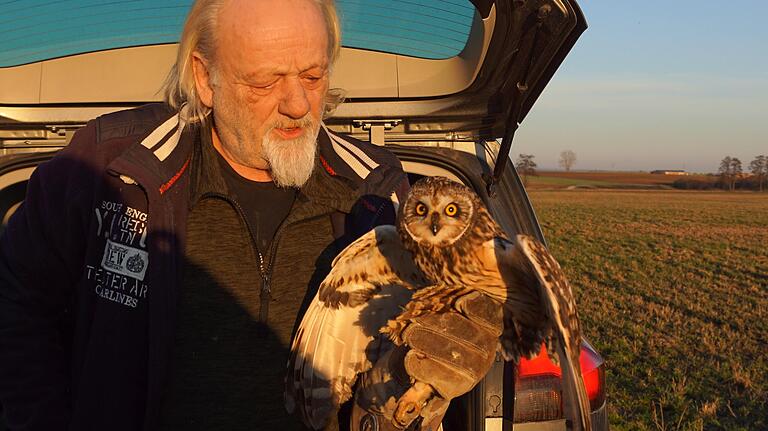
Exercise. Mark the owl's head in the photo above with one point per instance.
(438, 211)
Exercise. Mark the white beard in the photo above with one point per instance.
(291, 161)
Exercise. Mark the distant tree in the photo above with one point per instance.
(759, 168)
(525, 166)
(736, 171)
(567, 160)
(723, 171)
(730, 170)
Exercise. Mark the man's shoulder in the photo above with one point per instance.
(132, 122)
(108, 136)
(355, 158)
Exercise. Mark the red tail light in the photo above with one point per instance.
(538, 390)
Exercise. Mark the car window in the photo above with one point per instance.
(37, 30)
(419, 28)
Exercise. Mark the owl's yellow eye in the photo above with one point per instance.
(451, 210)
(421, 209)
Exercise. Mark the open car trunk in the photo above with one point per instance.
(512, 49)
(451, 113)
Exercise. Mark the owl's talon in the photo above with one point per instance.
(405, 414)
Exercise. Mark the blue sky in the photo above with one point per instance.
(657, 85)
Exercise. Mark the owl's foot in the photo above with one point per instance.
(394, 330)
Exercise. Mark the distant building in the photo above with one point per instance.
(670, 172)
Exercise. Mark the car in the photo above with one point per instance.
(442, 84)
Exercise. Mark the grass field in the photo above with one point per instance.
(673, 291)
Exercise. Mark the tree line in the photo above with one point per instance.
(732, 176)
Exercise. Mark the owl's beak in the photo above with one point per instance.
(435, 225)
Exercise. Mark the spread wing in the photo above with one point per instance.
(338, 338)
(539, 306)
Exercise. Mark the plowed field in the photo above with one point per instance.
(561, 179)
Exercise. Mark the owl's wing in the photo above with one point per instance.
(338, 338)
(528, 265)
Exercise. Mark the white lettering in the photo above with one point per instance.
(128, 227)
(114, 296)
(111, 206)
(134, 213)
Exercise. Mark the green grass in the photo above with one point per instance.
(673, 292)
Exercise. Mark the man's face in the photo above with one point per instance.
(268, 85)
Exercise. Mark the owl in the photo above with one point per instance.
(445, 245)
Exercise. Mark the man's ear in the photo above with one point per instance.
(202, 79)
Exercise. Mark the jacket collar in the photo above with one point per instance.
(206, 175)
(162, 155)
(324, 191)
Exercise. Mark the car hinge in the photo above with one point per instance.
(513, 112)
(37, 136)
(376, 129)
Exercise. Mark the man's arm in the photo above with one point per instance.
(39, 251)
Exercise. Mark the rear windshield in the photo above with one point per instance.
(35, 30)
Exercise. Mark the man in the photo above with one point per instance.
(155, 273)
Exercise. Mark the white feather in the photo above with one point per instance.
(334, 340)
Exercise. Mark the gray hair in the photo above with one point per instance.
(199, 35)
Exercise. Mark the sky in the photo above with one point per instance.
(657, 84)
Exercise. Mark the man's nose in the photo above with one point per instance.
(294, 103)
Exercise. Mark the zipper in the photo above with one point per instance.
(271, 253)
(265, 294)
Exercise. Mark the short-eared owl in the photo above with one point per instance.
(445, 246)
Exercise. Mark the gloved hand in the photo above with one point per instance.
(444, 355)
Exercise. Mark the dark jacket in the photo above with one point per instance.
(90, 264)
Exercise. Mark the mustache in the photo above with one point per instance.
(305, 122)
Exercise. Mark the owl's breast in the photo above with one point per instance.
(470, 268)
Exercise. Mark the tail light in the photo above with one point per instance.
(538, 387)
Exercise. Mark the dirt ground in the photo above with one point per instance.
(619, 180)
(673, 291)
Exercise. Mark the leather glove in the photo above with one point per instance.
(445, 355)
(453, 351)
